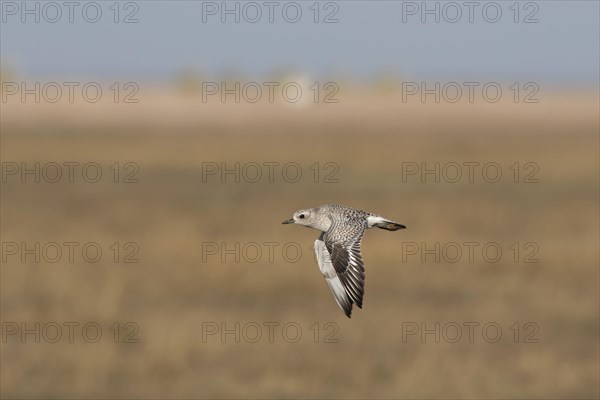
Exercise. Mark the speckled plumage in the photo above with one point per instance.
(338, 247)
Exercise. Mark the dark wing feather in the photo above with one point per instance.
(331, 277)
(348, 262)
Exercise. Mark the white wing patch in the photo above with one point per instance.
(331, 276)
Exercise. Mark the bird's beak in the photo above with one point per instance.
(288, 221)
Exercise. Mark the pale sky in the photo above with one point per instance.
(369, 37)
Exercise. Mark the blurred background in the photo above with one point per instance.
(146, 171)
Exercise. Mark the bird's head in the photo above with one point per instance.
(302, 217)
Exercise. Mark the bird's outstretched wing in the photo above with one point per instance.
(331, 276)
(341, 263)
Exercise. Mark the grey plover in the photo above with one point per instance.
(338, 247)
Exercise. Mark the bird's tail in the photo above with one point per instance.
(386, 224)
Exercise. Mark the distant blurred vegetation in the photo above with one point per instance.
(7, 73)
(189, 80)
(171, 212)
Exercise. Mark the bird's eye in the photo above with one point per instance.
(301, 216)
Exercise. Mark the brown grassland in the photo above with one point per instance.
(172, 292)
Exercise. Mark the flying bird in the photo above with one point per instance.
(338, 247)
